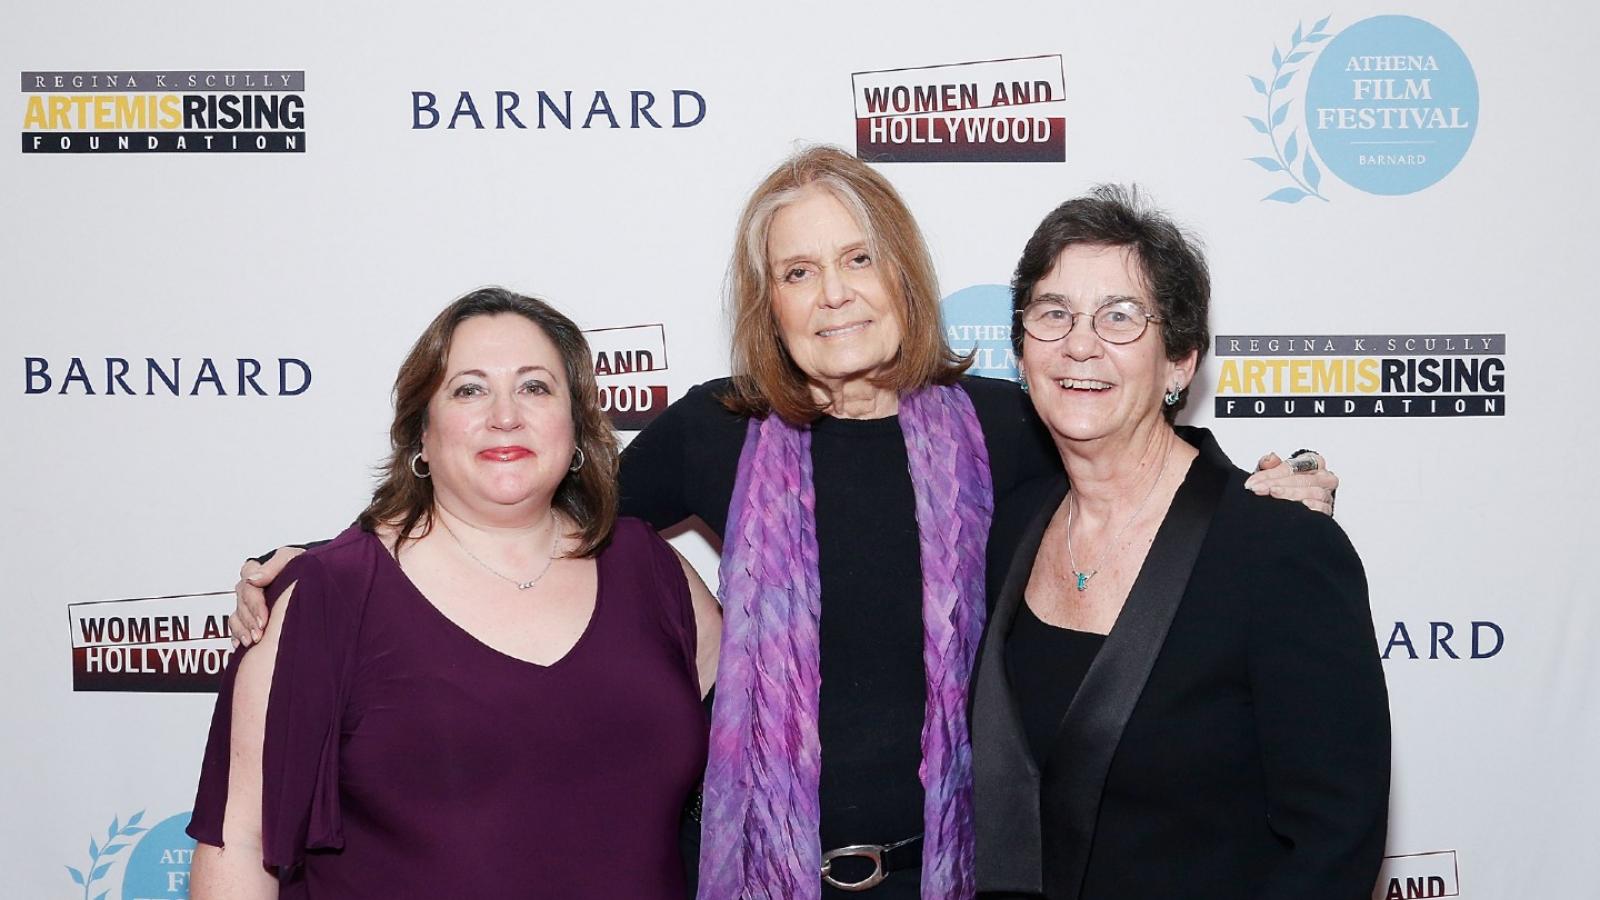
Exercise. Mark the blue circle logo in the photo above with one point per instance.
(159, 863)
(1391, 105)
(977, 321)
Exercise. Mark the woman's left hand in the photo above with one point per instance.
(1296, 479)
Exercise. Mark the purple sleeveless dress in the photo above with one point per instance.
(405, 758)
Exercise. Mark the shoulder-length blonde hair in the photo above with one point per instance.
(765, 377)
(588, 496)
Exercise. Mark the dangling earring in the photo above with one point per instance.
(417, 458)
(1022, 379)
(578, 464)
(1173, 395)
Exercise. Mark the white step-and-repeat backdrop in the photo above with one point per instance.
(223, 226)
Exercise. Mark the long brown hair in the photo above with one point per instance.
(588, 496)
(765, 377)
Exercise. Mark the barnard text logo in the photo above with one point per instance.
(1383, 375)
(1413, 876)
(155, 865)
(523, 109)
(627, 364)
(1445, 640)
(231, 111)
(170, 376)
(1389, 104)
(173, 644)
(1001, 110)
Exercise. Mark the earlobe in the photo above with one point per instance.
(1183, 371)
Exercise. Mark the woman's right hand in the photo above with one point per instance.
(249, 620)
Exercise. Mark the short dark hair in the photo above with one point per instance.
(589, 496)
(1170, 261)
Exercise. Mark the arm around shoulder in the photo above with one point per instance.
(651, 473)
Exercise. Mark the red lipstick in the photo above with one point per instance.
(504, 454)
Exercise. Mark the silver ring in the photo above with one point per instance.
(1304, 461)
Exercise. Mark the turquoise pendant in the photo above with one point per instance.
(1083, 580)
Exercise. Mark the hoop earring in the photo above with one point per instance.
(1173, 395)
(580, 461)
(416, 458)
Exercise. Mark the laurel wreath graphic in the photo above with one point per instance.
(1284, 155)
(97, 852)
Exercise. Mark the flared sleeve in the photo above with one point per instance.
(305, 706)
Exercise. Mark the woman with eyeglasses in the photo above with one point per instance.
(1179, 692)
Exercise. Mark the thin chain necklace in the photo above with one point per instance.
(521, 585)
(1084, 576)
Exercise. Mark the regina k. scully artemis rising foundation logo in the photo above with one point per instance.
(1389, 105)
(256, 111)
(1360, 375)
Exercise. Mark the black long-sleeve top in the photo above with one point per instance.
(873, 688)
(1255, 761)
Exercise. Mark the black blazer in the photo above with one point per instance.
(1231, 739)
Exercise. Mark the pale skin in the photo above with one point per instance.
(840, 319)
(1102, 404)
(498, 444)
(835, 310)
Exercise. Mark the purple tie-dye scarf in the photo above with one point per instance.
(761, 813)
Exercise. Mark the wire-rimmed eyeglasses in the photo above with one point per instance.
(1116, 322)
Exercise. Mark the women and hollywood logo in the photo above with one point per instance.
(1389, 105)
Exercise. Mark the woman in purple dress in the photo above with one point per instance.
(489, 686)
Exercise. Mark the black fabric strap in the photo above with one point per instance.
(902, 855)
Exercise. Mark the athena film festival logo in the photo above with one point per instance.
(223, 111)
(1369, 376)
(133, 861)
(1389, 106)
(977, 324)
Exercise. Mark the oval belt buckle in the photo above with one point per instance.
(873, 852)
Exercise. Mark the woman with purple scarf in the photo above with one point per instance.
(850, 468)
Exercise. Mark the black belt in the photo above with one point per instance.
(885, 858)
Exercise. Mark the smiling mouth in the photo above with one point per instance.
(852, 328)
(1084, 384)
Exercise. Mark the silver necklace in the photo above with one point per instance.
(521, 585)
(1084, 576)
